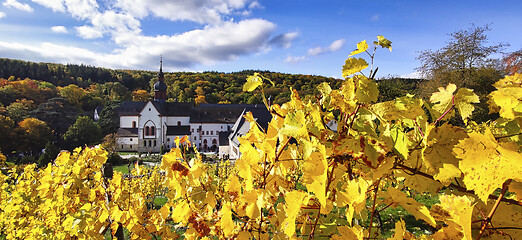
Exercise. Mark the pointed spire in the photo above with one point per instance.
(160, 74)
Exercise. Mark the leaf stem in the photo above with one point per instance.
(447, 111)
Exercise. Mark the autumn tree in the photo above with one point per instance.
(83, 132)
(200, 96)
(20, 109)
(58, 113)
(73, 94)
(36, 133)
(513, 62)
(140, 96)
(7, 134)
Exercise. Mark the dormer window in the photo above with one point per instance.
(179, 123)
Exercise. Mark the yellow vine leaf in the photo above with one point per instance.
(253, 82)
(226, 222)
(349, 233)
(400, 232)
(353, 65)
(439, 148)
(463, 102)
(295, 125)
(486, 164)
(516, 187)
(507, 98)
(315, 169)
(456, 212)
(447, 173)
(418, 210)
(293, 202)
(402, 108)
(353, 194)
(367, 90)
(443, 99)
(383, 42)
(361, 47)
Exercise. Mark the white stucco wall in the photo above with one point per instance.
(126, 121)
(209, 132)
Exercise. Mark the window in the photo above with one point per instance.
(168, 139)
(207, 132)
(154, 143)
(131, 139)
(195, 138)
(193, 130)
(130, 146)
(149, 109)
(146, 131)
(221, 127)
(179, 123)
(152, 132)
(121, 146)
(133, 124)
(211, 132)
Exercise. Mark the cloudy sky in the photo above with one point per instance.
(289, 36)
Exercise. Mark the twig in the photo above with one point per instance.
(497, 203)
(373, 207)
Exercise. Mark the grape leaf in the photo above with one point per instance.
(353, 65)
(226, 222)
(439, 148)
(443, 99)
(350, 233)
(516, 187)
(418, 210)
(447, 173)
(383, 42)
(401, 233)
(361, 47)
(463, 100)
(507, 98)
(486, 164)
(293, 202)
(507, 216)
(456, 212)
(367, 90)
(253, 82)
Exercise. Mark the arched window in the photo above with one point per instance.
(147, 131)
(205, 141)
(179, 123)
(214, 141)
(133, 124)
(152, 132)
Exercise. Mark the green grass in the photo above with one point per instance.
(123, 168)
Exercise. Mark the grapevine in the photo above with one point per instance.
(298, 177)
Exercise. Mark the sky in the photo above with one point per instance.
(288, 36)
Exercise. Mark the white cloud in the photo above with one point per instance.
(333, 47)
(59, 29)
(217, 40)
(20, 6)
(2, 14)
(416, 74)
(375, 18)
(203, 46)
(295, 59)
(200, 11)
(284, 40)
(88, 32)
(336, 45)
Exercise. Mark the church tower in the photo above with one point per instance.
(160, 88)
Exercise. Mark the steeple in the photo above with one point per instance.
(160, 74)
(160, 88)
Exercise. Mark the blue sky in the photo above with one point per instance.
(289, 36)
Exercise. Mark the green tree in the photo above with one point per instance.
(58, 113)
(109, 119)
(50, 153)
(83, 132)
(459, 61)
(464, 61)
(20, 109)
(7, 133)
(73, 94)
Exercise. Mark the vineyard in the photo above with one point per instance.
(297, 178)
